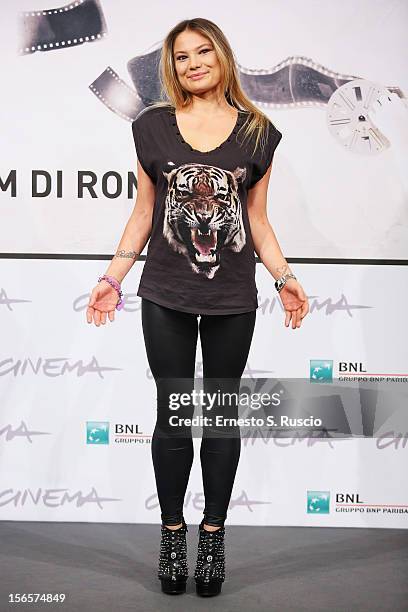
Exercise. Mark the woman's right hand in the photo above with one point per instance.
(102, 302)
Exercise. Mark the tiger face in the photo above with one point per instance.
(203, 214)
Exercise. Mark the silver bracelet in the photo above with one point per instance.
(281, 282)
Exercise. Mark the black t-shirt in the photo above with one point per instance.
(200, 256)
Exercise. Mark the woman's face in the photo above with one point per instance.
(197, 65)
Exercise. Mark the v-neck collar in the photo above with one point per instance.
(186, 145)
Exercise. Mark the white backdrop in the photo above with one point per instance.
(57, 373)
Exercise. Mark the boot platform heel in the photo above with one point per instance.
(173, 587)
(173, 569)
(210, 569)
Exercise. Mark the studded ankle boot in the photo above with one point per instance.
(173, 568)
(210, 569)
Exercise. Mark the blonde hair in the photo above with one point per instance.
(173, 95)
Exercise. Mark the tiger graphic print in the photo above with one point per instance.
(203, 214)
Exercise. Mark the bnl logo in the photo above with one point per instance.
(97, 432)
(321, 370)
(318, 502)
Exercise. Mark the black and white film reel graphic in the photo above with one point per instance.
(348, 117)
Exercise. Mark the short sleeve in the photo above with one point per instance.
(262, 160)
(141, 140)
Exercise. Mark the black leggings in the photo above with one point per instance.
(171, 337)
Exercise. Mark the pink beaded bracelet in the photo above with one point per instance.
(116, 285)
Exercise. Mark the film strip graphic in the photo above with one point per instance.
(121, 99)
(295, 82)
(124, 100)
(60, 28)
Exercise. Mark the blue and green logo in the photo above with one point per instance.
(321, 370)
(318, 502)
(97, 432)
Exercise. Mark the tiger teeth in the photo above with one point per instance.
(205, 258)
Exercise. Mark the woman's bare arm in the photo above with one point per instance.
(266, 246)
(137, 230)
(265, 242)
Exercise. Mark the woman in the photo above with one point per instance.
(204, 160)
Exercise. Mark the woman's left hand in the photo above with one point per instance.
(295, 302)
